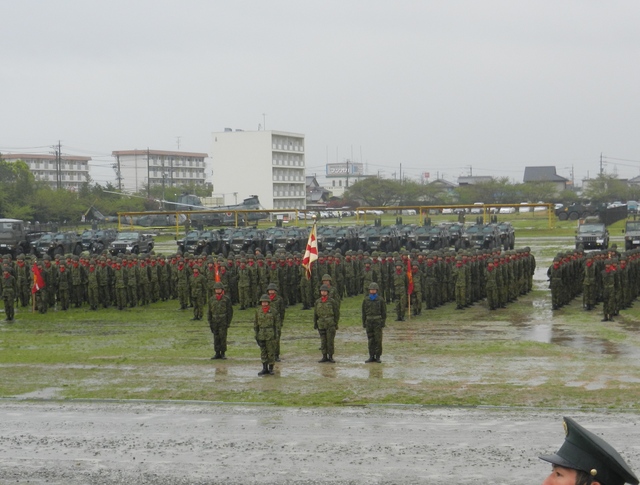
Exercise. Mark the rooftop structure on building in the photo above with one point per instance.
(317, 196)
(342, 175)
(545, 174)
(136, 168)
(471, 180)
(64, 172)
(269, 164)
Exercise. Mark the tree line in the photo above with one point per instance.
(23, 197)
(377, 192)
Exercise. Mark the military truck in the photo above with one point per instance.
(14, 239)
(631, 235)
(592, 234)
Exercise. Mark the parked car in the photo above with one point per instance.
(431, 237)
(134, 242)
(592, 234)
(202, 242)
(95, 241)
(631, 235)
(480, 236)
(62, 243)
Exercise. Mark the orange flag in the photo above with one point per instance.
(409, 277)
(38, 280)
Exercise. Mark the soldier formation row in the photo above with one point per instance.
(436, 278)
(606, 277)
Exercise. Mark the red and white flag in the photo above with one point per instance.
(311, 253)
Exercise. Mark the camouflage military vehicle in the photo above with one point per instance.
(133, 242)
(592, 234)
(631, 235)
(14, 238)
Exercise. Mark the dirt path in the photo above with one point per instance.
(166, 443)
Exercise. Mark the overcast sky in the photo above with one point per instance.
(446, 87)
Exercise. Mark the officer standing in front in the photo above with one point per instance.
(326, 315)
(264, 326)
(586, 459)
(219, 316)
(374, 317)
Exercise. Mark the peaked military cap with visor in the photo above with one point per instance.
(583, 450)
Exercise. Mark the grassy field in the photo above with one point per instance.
(525, 355)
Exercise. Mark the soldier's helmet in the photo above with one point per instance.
(217, 285)
(324, 288)
(272, 286)
(326, 277)
(373, 286)
(265, 297)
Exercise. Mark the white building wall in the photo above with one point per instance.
(269, 164)
(74, 170)
(175, 168)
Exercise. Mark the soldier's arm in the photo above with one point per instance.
(229, 311)
(315, 317)
(383, 311)
(364, 316)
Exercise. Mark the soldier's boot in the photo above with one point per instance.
(264, 370)
(222, 356)
(324, 358)
(270, 370)
(277, 359)
(372, 358)
(217, 356)
(330, 359)
(377, 359)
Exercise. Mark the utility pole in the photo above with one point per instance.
(601, 170)
(59, 166)
(118, 173)
(178, 141)
(149, 172)
(400, 173)
(347, 173)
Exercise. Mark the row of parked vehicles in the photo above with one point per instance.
(344, 238)
(92, 241)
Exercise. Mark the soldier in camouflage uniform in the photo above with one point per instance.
(400, 290)
(589, 285)
(461, 277)
(278, 304)
(64, 284)
(9, 290)
(374, 317)
(120, 282)
(608, 281)
(264, 327)
(491, 286)
(326, 316)
(23, 281)
(92, 287)
(220, 315)
(198, 293)
(244, 285)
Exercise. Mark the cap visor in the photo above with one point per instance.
(557, 460)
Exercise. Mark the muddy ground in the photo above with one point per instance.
(199, 443)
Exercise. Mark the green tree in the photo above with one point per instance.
(376, 192)
(606, 188)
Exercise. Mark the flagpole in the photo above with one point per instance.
(408, 290)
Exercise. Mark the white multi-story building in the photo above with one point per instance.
(269, 164)
(137, 167)
(342, 175)
(70, 174)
